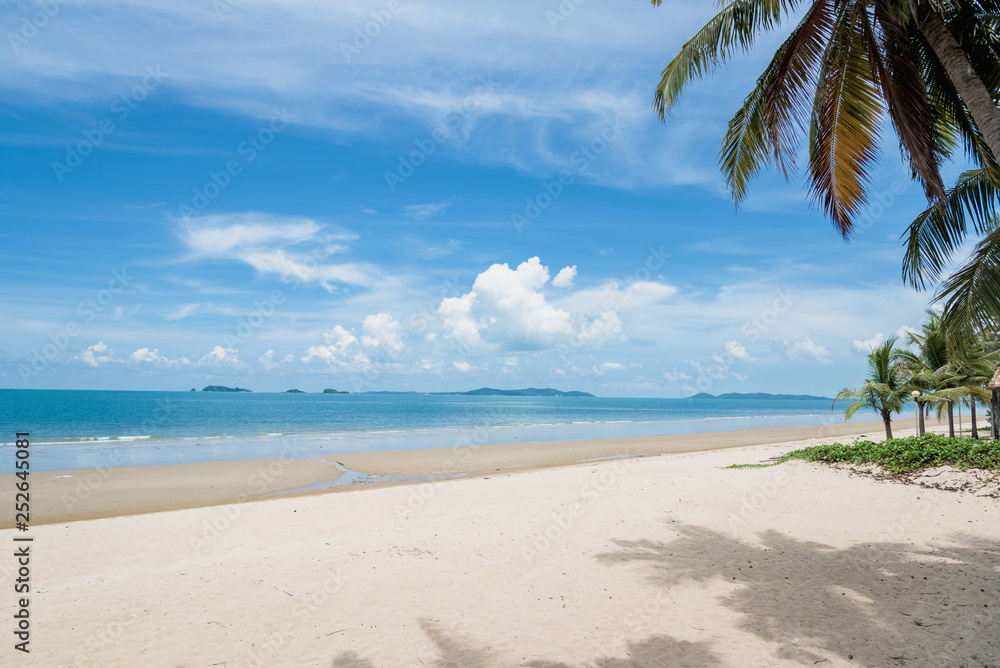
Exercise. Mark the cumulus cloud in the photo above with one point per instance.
(565, 277)
(268, 363)
(739, 351)
(222, 357)
(381, 330)
(464, 367)
(865, 346)
(291, 248)
(507, 309)
(96, 355)
(675, 375)
(611, 366)
(338, 341)
(806, 349)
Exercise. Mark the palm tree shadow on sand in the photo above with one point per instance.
(877, 603)
(883, 603)
(658, 651)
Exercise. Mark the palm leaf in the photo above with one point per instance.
(736, 26)
(972, 294)
(939, 231)
(846, 121)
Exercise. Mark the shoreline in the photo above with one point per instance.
(116, 491)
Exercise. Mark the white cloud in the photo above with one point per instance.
(291, 248)
(507, 309)
(153, 357)
(675, 375)
(338, 341)
(806, 349)
(865, 346)
(182, 312)
(612, 366)
(383, 331)
(268, 363)
(222, 357)
(464, 367)
(423, 211)
(739, 351)
(96, 355)
(565, 277)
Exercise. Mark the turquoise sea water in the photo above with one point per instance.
(76, 428)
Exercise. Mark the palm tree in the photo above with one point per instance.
(974, 368)
(884, 390)
(928, 364)
(933, 65)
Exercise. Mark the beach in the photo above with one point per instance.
(69, 495)
(660, 560)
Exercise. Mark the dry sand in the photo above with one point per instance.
(658, 561)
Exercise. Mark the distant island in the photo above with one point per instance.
(490, 392)
(294, 392)
(757, 395)
(330, 391)
(223, 388)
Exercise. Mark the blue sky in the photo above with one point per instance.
(409, 195)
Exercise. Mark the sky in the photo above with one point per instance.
(410, 195)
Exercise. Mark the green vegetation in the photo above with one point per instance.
(223, 388)
(884, 390)
(331, 391)
(294, 392)
(943, 370)
(931, 67)
(907, 454)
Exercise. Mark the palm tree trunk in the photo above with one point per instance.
(887, 421)
(951, 419)
(972, 409)
(920, 420)
(967, 82)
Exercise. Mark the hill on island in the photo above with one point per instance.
(757, 395)
(223, 388)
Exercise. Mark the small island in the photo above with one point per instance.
(331, 391)
(223, 388)
(294, 392)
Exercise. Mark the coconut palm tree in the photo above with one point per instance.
(932, 65)
(974, 367)
(928, 363)
(885, 390)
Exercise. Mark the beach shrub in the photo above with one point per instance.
(900, 455)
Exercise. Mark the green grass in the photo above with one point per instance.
(907, 454)
(754, 466)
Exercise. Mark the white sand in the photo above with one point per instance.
(661, 561)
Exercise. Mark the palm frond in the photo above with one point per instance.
(972, 294)
(846, 121)
(736, 26)
(935, 235)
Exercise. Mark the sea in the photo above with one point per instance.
(74, 429)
